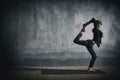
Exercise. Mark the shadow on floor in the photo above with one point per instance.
(55, 72)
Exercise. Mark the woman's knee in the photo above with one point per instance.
(94, 57)
(75, 41)
(81, 42)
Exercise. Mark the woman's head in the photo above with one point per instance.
(99, 24)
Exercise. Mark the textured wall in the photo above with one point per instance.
(46, 29)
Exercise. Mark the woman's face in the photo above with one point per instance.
(99, 26)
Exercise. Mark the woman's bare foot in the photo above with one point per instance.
(91, 70)
(82, 30)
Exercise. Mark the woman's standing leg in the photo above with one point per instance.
(93, 54)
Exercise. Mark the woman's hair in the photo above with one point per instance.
(99, 22)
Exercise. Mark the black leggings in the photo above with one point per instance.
(89, 46)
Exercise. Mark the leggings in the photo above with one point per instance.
(89, 46)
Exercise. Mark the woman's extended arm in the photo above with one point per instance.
(87, 23)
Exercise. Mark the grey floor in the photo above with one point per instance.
(35, 73)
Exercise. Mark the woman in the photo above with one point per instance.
(97, 35)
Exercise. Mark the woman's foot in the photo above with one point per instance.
(91, 70)
(82, 30)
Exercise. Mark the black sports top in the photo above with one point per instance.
(97, 34)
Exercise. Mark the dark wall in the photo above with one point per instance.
(41, 31)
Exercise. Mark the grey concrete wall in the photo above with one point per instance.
(46, 29)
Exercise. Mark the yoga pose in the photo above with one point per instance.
(97, 35)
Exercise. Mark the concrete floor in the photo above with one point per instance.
(34, 73)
